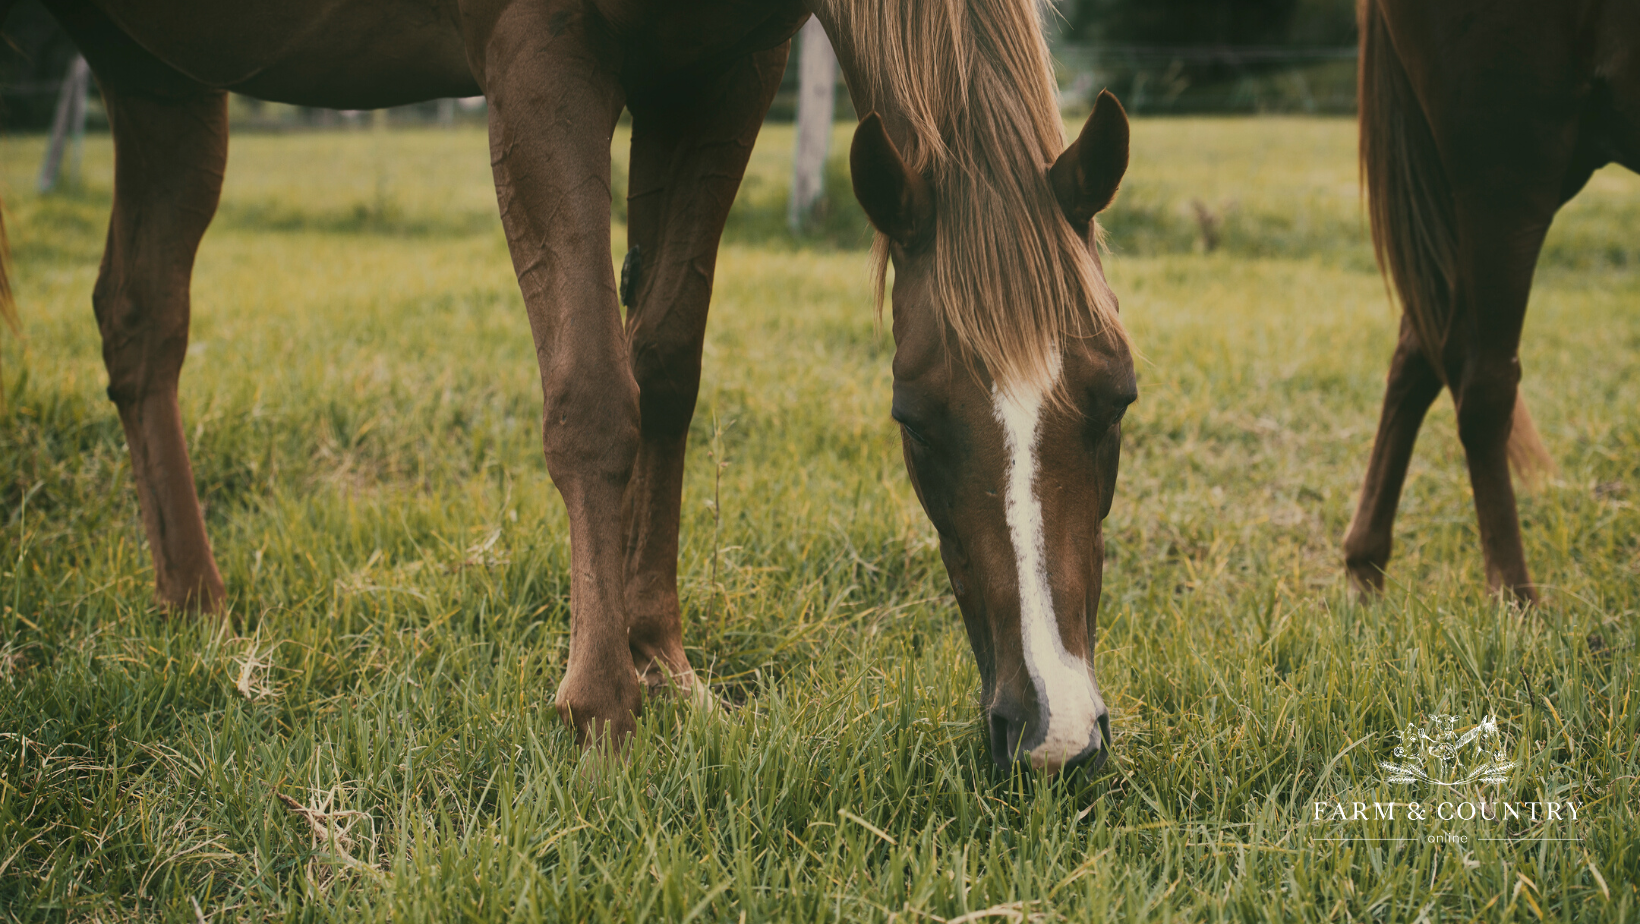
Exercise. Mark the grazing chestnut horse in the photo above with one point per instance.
(1478, 121)
(1011, 372)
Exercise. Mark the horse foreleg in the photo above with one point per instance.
(1413, 385)
(690, 145)
(169, 154)
(554, 99)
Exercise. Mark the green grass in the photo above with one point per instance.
(363, 407)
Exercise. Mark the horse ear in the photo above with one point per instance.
(1085, 177)
(896, 198)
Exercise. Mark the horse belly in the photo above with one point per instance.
(346, 54)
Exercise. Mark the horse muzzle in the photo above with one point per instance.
(1013, 747)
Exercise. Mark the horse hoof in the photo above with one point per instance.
(1366, 583)
(603, 719)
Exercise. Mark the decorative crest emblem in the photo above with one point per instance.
(1441, 755)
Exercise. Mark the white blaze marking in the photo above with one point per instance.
(1064, 682)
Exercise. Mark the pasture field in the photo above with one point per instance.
(373, 738)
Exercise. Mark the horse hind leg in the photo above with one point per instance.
(1413, 385)
(169, 154)
(690, 146)
(1495, 280)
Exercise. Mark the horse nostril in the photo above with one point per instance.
(1005, 735)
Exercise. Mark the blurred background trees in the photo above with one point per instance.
(1211, 22)
(34, 57)
(1194, 56)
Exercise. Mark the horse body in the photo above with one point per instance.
(366, 54)
(1000, 305)
(1478, 121)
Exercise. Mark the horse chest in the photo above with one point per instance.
(658, 38)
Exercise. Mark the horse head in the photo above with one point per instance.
(1010, 414)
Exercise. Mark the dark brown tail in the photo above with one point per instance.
(1414, 223)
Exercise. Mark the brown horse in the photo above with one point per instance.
(1011, 370)
(1478, 121)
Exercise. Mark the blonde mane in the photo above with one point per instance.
(973, 80)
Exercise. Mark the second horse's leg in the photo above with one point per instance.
(1500, 243)
(1412, 387)
(690, 144)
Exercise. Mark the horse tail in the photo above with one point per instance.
(1414, 216)
(1408, 200)
(1527, 455)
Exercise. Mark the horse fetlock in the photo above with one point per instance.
(1510, 580)
(1366, 554)
(185, 572)
(602, 707)
(1366, 576)
(197, 589)
(186, 578)
(662, 667)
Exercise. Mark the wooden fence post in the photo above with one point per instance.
(69, 124)
(816, 100)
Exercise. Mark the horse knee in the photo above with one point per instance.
(589, 427)
(144, 340)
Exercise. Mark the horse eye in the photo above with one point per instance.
(1103, 421)
(916, 437)
(1109, 410)
(908, 429)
